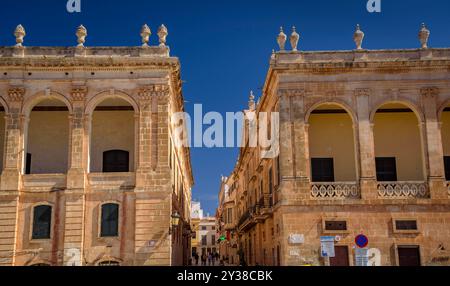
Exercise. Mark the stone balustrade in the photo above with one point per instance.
(335, 190)
(411, 189)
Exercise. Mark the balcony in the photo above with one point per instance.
(335, 190)
(403, 190)
(112, 181)
(45, 182)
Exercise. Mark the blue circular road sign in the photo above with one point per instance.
(362, 241)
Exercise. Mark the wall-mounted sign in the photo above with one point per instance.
(362, 241)
(327, 246)
(296, 238)
(362, 257)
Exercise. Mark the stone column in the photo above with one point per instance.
(14, 142)
(434, 154)
(365, 145)
(294, 146)
(74, 196)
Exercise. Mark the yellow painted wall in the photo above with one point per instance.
(2, 138)
(111, 130)
(48, 142)
(446, 133)
(398, 135)
(331, 136)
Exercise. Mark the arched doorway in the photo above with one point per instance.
(112, 146)
(445, 132)
(399, 152)
(332, 153)
(47, 144)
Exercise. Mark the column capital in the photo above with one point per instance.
(78, 93)
(430, 91)
(16, 93)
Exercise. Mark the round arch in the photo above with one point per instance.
(342, 104)
(402, 101)
(34, 100)
(442, 108)
(4, 104)
(101, 96)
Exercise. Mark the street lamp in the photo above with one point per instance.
(175, 220)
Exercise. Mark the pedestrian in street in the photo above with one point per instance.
(209, 259)
(203, 259)
(196, 259)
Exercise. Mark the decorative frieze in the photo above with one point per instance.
(156, 90)
(291, 92)
(416, 190)
(338, 190)
(362, 92)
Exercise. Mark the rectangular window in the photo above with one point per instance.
(42, 217)
(28, 164)
(204, 240)
(386, 169)
(278, 171)
(213, 240)
(322, 170)
(270, 181)
(335, 225)
(204, 227)
(406, 225)
(447, 167)
(110, 220)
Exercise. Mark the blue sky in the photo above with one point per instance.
(224, 46)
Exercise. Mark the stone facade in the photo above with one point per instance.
(356, 107)
(119, 96)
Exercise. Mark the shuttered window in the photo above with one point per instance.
(335, 225)
(322, 170)
(42, 220)
(110, 220)
(406, 225)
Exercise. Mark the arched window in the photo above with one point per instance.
(110, 220)
(116, 161)
(42, 220)
(109, 263)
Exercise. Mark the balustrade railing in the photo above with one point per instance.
(403, 190)
(335, 190)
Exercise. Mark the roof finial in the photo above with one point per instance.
(251, 101)
(424, 35)
(145, 35)
(358, 37)
(81, 35)
(281, 39)
(295, 37)
(19, 33)
(162, 34)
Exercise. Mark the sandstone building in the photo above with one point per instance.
(204, 238)
(364, 149)
(89, 172)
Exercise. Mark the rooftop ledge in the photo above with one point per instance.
(286, 57)
(97, 52)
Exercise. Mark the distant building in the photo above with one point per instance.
(204, 241)
(196, 210)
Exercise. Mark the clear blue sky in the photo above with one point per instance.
(224, 45)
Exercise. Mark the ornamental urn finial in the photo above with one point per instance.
(162, 34)
(295, 37)
(424, 35)
(145, 35)
(281, 39)
(81, 35)
(19, 33)
(251, 101)
(358, 37)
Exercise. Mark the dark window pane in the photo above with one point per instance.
(335, 225)
(386, 169)
(322, 169)
(116, 161)
(42, 220)
(28, 164)
(408, 256)
(447, 167)
(406, 225)
(110, 220)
